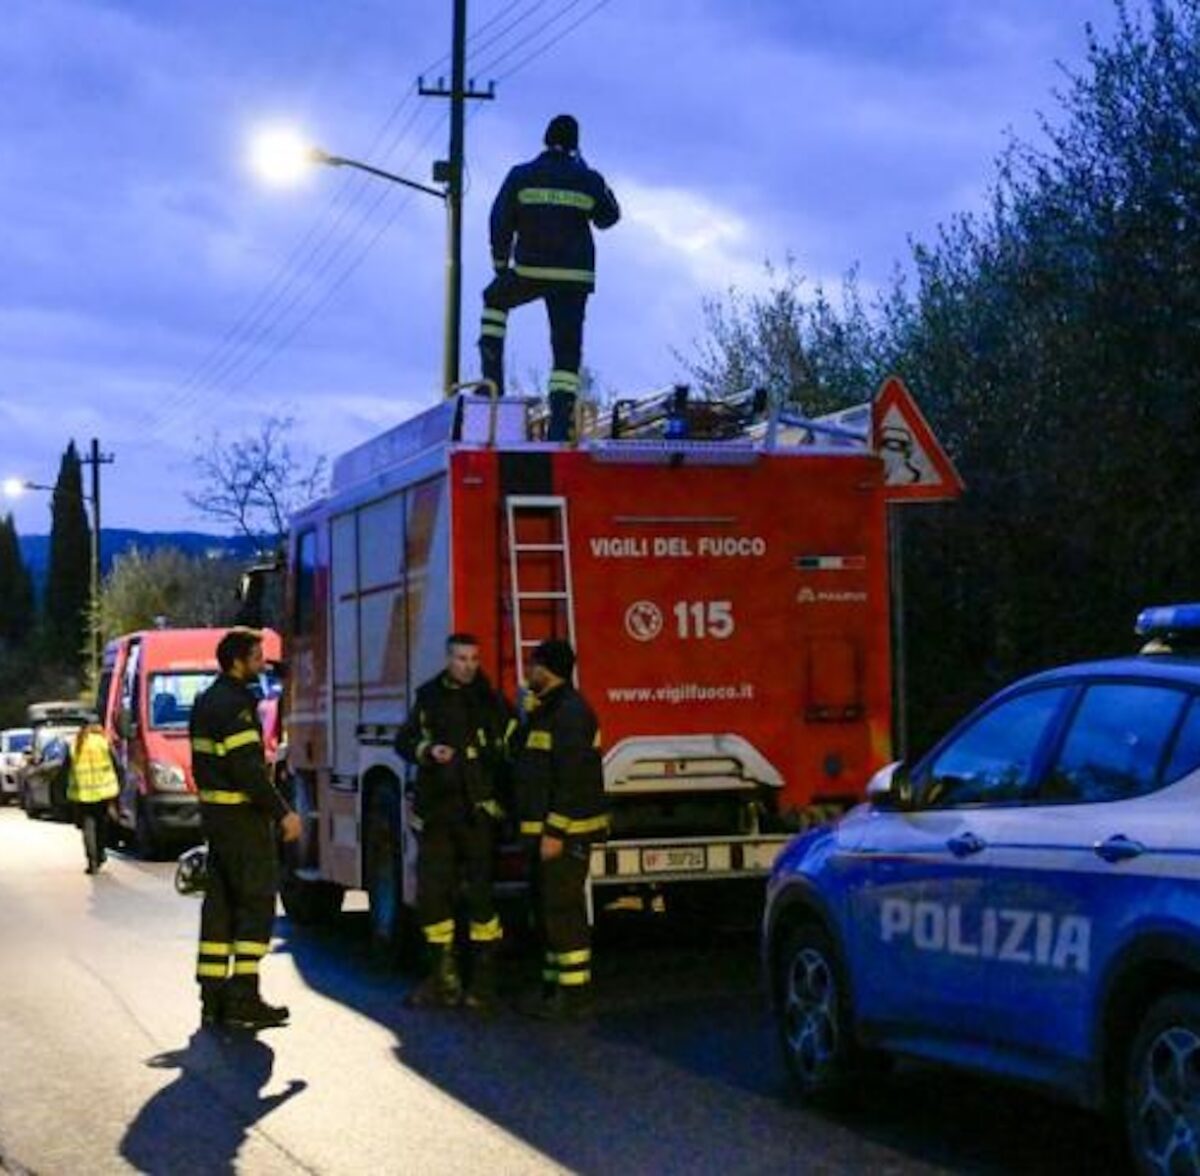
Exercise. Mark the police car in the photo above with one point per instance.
(1023, 900)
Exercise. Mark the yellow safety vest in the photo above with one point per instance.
(93, 777)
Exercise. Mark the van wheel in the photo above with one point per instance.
(813, 1019)
(1162, 1088)
(391, 924)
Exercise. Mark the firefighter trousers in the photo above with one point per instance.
(453, 855)
(566, 304)
(561, 885)
(239, 898)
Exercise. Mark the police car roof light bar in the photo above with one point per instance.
(1169, 619)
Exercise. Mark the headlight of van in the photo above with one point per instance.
(167, 777)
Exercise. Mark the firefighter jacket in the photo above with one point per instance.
(549, 205)
(92, 775)
(558, 775)
(472, 720)
(228, 758)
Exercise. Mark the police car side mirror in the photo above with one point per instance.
(890, 787)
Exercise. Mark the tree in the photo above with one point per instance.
(68, 582)
(254, 483)
(1052, 343)
(167, 587)
(17, 614)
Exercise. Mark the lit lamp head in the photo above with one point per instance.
(13, 487)
(282, 157)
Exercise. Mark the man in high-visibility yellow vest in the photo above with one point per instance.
(92, 782)
(239, 811)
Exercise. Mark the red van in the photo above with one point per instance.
(148, 683)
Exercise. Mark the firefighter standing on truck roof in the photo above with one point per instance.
(559, 785)
(239, 809)
(548, 205)
(455, 735)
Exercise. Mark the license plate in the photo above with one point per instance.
(671, 861)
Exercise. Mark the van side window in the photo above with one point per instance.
(306, 584)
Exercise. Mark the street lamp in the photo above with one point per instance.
(281, 156)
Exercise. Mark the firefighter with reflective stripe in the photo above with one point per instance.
(560, 803)
(454, 734)
(542, 248)
(92, 782)
(239, 810)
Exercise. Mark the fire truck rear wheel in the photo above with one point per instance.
(383, 869)
(309, 904)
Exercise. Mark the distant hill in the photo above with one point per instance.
(35, 549)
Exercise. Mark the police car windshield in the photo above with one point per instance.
(172, 696)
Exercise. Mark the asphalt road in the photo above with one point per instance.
(102, 1068)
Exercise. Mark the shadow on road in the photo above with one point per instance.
(679, 1072)
(199, 1122)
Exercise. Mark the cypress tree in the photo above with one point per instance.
(67, 584)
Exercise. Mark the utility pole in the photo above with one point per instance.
(450, 173)
(95, 459)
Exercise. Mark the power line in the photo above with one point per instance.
(552, 42)
(523, 41)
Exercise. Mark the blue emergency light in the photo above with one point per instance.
(1169, 620)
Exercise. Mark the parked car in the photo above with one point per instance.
(43, 779)
(14, 742)
(148, 683)
(1024, 900)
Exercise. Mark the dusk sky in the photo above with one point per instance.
(152, 290)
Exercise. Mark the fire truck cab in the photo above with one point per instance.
(728, 600)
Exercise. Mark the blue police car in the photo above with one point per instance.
(1024, 900)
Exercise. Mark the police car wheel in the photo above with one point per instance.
(1162, 1093)
(813, 1027)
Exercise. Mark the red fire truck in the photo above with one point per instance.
(728, 597)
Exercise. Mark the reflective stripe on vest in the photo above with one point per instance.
(561, 197)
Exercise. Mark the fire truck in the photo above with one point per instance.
(721, 567)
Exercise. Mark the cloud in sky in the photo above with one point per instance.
(151, 293)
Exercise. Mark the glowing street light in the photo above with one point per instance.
(14, 487)
(282, 156)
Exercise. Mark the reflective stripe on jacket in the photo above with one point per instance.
(93, 775)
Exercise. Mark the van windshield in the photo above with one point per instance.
(172, 696)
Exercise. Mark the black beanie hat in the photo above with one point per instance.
(557, 656)
(563, 132)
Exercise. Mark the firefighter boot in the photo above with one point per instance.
(481, 995)
(244, 1008)
(563, 1004)
(212, 1002)
(442, 988)
(562, 416)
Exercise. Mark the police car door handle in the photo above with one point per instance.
(966, 844)
(1118, 848)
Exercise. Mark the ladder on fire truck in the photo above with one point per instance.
(543, 599)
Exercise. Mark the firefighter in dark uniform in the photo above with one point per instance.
(240, 810)
(455, 735)
(548, 206)
(559, 784)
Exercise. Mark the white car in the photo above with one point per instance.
(13, 744)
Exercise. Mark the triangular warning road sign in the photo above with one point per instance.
(915, 465)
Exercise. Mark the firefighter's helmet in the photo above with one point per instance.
(191, 874)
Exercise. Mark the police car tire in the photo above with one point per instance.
(1162, 1115)
(813, 1020)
